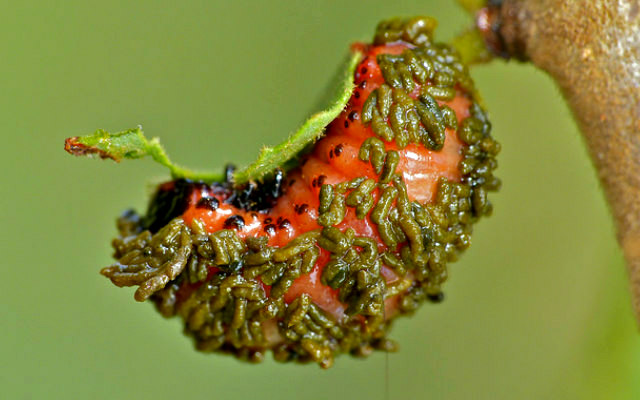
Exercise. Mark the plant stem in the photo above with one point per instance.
(591, 48)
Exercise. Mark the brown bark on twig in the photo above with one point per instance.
(591, 48)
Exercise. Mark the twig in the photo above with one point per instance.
(591, 48)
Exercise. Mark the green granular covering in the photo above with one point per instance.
(422, 120)
(215, 281)
(150, 262)
(416, 30)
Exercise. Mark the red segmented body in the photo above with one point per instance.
(333, 160)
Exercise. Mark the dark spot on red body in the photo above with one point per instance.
(270, 229)
(234, 222)
(338, 149)
(209, 203)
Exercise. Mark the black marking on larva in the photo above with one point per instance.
(362, 84)
(167, 203)
(314, 182)
(234, 222)
(364, 70)
(258, 196)
(356, 94)
(353, 115)
(321, 180)
(208, 203)
(285, 223)
(346, 123)
(331, 153)
(338, 149)
(301, 208)
(270, 229)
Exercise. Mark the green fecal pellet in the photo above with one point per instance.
(390, 165)
(373, 150)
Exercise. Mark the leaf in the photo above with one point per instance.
(132, 144)
(271, 158)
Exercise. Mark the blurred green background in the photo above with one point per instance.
(536, 309)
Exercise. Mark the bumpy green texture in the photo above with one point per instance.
(214, 281)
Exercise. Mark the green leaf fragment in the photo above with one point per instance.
(132, 144)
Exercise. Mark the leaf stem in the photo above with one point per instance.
(132, 144)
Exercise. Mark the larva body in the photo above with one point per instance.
(319, 260)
